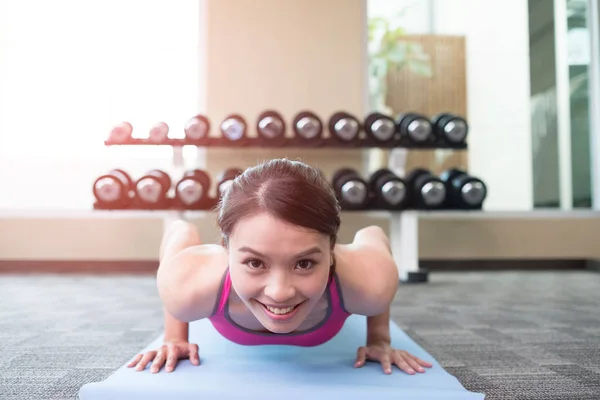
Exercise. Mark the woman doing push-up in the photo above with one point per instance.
(279, 276)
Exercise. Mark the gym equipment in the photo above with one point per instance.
(231, 371)
(151, 189)
(344, 127)
(450, 127)
(121, 133)
(197, 127)
(426, 191)
(113, 190)
(389, 190)
(226, 179)
(465, 192)
(308, 126)
(380, 127)
(191, 192)
(415, 127)
(270, 126)
(233, 128)
(351, 190)
(159, 133)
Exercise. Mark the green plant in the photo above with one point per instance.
(387, 52)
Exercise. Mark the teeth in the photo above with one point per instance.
(280, 311)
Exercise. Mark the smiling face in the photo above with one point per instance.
(278, 270)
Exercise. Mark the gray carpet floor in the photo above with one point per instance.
(510, 335)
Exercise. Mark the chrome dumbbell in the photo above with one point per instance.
(351, 190)
(113, 190)
(465, 192)
(152, 189)
(390, 191)
(426, 190)
(191, 192)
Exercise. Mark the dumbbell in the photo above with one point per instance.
(380, 127)
(415, 127)
(344, 127)
(390, 190)
(308, 126)
(159, 133)
(465, 192)
(351, 190)
(233, 128)
(121, 133)
(450, 127)
(426, 190)
(271, 127)
(151, 189)
(197, 127)
(113, 190)
(226, 179)
(192, 189)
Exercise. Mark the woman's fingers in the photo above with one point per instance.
(172, 357)
(422, 362)
(159, 360)
(412, 361)
(146, 358)
(361, 357)
(386, 364)
(194, 356)
(135, 361)
(401, 363)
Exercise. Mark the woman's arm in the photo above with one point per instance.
(368, 274)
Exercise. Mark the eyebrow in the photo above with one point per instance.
(312, 250)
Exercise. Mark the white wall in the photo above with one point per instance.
(497, 55)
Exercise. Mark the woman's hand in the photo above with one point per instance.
(387, 356)
(171, 352)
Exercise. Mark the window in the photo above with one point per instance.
(71, 70)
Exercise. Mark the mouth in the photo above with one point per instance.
(280, 313)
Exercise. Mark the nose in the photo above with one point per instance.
(280, 288)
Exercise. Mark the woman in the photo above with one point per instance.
(279, 277)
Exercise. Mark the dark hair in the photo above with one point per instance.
(291, 191)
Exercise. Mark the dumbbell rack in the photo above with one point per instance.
(403, 224)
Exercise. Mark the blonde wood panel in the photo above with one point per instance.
(288, 56)
(444, 91)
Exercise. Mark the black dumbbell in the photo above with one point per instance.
(197, 127)
(351, 190)
(192, 189)
(450, 127)
(308, 127)
(226, 179)
(426, 190)
(380, 127)
(271, 127)
(121, 133)
(233, 128)
(415, 127)
(465, 192)
(344, 127)
(152, 189)
(390, 191)
(113, 190)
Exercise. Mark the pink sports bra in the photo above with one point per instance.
(323, 332)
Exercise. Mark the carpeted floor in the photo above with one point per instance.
(510, 335)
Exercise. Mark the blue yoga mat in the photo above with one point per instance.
(231, 371)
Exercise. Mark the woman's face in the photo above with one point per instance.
(278, 270)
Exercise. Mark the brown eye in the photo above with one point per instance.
(254, 263)
(305, 264)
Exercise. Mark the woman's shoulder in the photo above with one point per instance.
(196, 274)
(368, 277)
